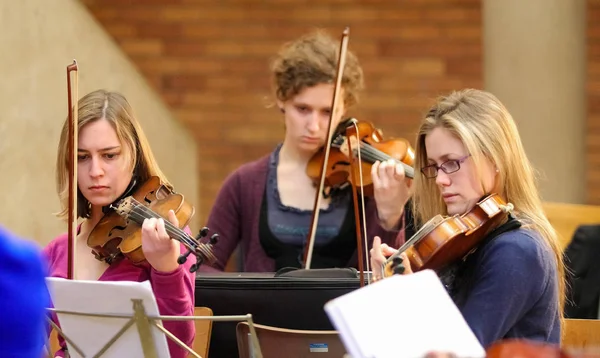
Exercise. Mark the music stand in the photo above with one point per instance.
(117, 319)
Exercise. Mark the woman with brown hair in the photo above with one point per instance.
(266, 205)
(114, 158)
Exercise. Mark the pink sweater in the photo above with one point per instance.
(174, 291)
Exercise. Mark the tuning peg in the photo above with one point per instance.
(214, 239)
(183, 258)
(196, 266)
(203, 232)
(398, 267)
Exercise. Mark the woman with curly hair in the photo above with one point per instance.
(266, 205)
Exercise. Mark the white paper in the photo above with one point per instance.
(402, 316)
(90, 334)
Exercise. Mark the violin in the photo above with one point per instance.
(522, 348)
(444, 240)
(118, 234)
(527, 348)
(369, 146)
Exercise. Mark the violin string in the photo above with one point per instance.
(367, 154)
(374, 154)
(179, 234)
(171, 229)
(190, 245)
(146, 213)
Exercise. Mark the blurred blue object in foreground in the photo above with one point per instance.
(23, 297)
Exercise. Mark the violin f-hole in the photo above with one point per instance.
(148, 201)
(334, 166)
(118, 227)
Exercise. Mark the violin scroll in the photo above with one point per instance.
(202, 252)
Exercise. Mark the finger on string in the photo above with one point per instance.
(161, 230)
(399, 173)
(383, 178)
(149, 225)
(390, 169)
(375, 173)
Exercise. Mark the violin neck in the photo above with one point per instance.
(372, 154)
(133, 210)
(424, 230)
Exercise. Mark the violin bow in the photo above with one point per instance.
(336, 93)
(72, 153)
(359, 247)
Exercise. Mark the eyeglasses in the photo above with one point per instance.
(449, 166)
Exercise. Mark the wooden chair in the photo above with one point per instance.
(203, 331)
(53, 341)
(581, 335)
(565, 218)
(281, 342)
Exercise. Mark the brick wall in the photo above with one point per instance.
(593, 90)
(209, 60)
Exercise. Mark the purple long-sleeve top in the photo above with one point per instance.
(174, 291)
(235, 216)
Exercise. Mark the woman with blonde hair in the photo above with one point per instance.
(114, 158)
(512, 285)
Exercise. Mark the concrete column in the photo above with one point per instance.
(535, 62)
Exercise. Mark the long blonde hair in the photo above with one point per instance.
(113, 107)
(488, 131)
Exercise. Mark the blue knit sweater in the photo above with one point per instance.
(509, 289)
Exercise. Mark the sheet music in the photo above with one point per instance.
(90, 334)
(402, 316)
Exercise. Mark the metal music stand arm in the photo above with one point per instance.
(143, 323)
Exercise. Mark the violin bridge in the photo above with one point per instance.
(125, 206)
(341, 142)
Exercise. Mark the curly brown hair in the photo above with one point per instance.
(312, 60)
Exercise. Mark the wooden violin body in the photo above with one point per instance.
(521, 348)
(443, 241)
(369, 140)
(119, 233)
